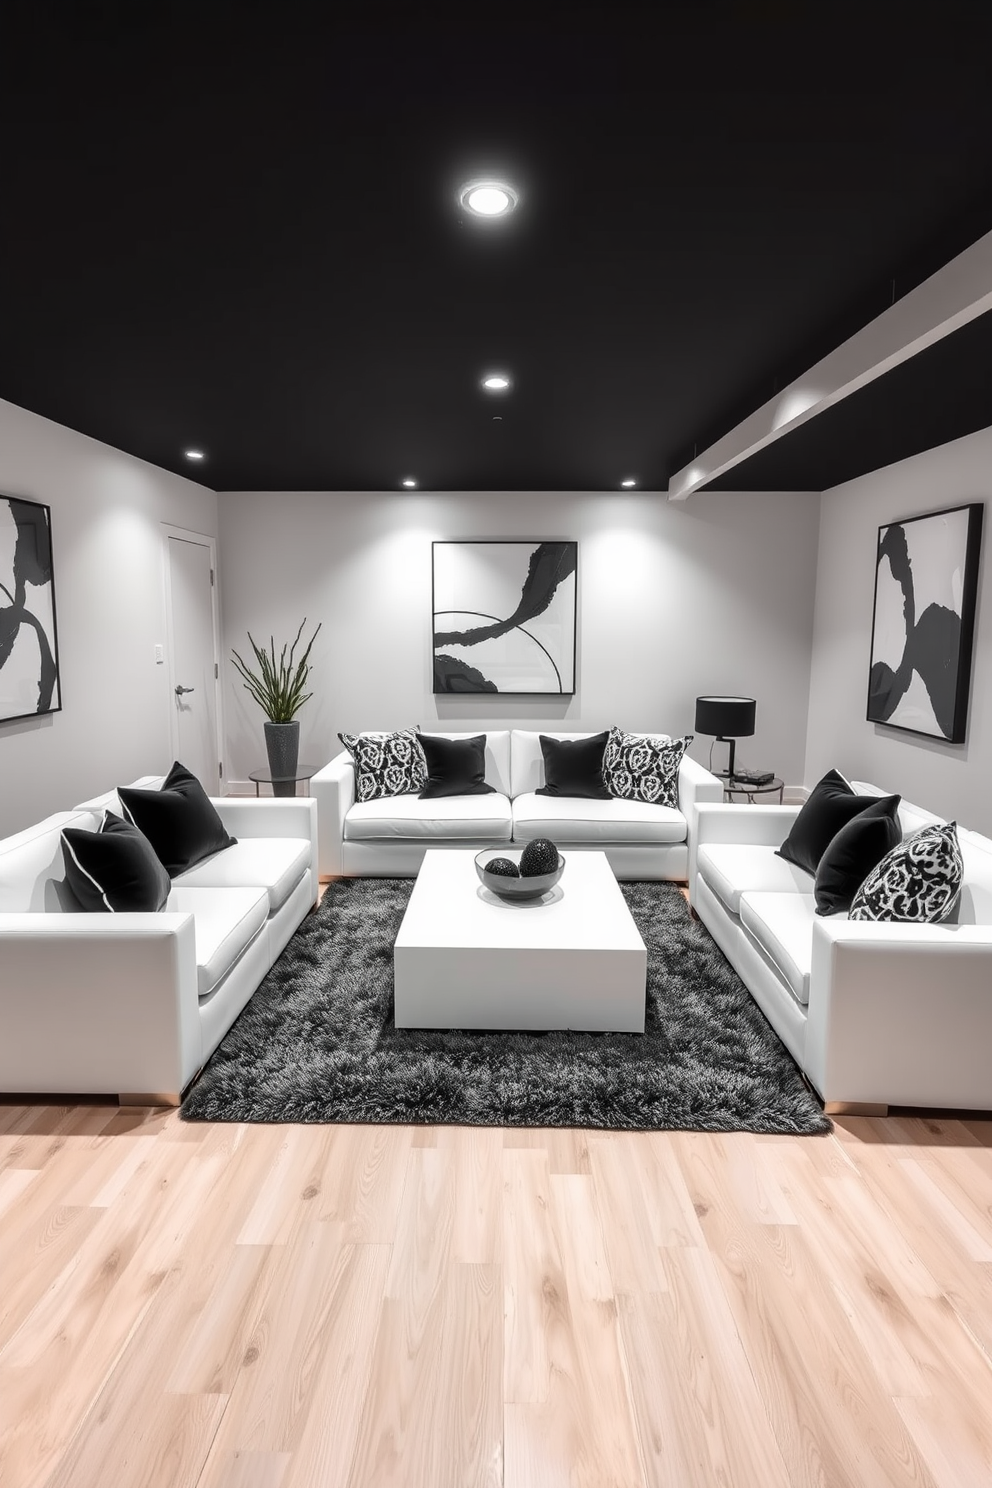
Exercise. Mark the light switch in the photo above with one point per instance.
(159, 655)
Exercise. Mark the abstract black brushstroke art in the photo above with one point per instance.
(926, 582)
(504, 617)
(29, 655)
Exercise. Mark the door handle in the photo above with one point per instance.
(181, 690)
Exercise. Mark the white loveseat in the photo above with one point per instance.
(134, 1004)
(876, 1015)
(389, 837)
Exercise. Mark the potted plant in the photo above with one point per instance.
(278, 688)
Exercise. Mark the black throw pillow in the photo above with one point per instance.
(574, 767)
(180, 821)
(455, 767)
(850, 856)
(115, 869)
(831, 805)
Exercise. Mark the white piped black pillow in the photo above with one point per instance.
(386, 764)
(644, 767)
(114, 870)
(917, 882)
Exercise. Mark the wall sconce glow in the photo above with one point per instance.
(488, 198)
(193, 454)
(411, 485)
(496, 382)
(627, 484)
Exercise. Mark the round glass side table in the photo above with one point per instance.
(284, 785)
(746, 788)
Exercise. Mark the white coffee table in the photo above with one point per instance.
(464, 958)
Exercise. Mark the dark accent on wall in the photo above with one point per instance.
(549, 564)
(237, 227)
(937, 646)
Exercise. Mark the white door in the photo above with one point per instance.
(193, 659)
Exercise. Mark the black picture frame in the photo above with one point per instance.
(504, 616)
(923, 622)
(30, 675)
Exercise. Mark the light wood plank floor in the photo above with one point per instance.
(272, 1307)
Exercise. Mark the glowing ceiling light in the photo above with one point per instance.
(411, 485)
(488, 198)
(193, 454)
(627, 484)
(496, 382)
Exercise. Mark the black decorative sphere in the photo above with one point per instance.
(538, 857)
(504, 867)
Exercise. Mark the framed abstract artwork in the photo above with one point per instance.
(926, 584)
(503, 617)
(29, 651)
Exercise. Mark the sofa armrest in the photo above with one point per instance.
(696, 784)
(754, 826)
(333, 788)
(760, 826)
(272, 816)
(98, 1004)
(901, 1014)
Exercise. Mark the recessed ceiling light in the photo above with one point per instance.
(496, 382)
(411, 485)
(192, 454)
(488, 198)
(628, 483)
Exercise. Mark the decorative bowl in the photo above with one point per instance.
(515, 888)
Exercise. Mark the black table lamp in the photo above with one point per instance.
(729, 718)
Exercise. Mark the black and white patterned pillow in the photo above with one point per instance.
(917, 882)
(386, 764)
(644, 767)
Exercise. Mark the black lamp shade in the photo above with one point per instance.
(725, 717)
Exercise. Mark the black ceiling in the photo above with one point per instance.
(236, 228)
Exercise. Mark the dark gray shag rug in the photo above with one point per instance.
(317, 1041)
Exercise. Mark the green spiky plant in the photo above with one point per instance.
(278, 686)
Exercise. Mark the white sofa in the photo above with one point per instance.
(134, 1004)
(876, 1015)
(389, 837)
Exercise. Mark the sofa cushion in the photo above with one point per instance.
(853, 852)
(275, 864)
(527, 757)
(828, 807)
(781, 926)
(574, 767)
(453, 819)
(225, 921)
(386, 764)
(731, 869)
(455, 767)
(497, 771)
(180, 820)
(644, 767)
(114, 870)
(568, 821)
(917, 882)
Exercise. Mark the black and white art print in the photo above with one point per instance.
(504, 617)
(29, 653)
(926, 582)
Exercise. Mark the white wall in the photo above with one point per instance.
(953, 780)
(107, 511)
(714, 595)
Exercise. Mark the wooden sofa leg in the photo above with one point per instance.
(148, 1098)
(854, 1108)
